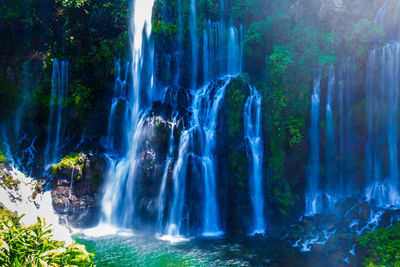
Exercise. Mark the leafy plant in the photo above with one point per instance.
(34, 246)
(383, 246)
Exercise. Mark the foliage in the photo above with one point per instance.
(362, 35)
(82, 98)
(72, 3)
(34, 246)
(383, 246)
(235, 98)
(3, 158)
(6, 213)
(71, 161)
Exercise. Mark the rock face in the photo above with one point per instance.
(336, 232)
(77, 180)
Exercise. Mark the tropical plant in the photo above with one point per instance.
(34, 246)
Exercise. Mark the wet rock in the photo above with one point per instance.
(364, 211)
(344, 206)
(75, 187)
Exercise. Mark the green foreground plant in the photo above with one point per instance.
(34, 246)
(383, 246)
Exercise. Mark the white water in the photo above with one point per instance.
(71, 183)
(382, 95)
(206, 114)
(173, 227)
(222, 50)
(119, 96)
(341, 128)
(177, 76)
(332, 187)
(118, 204)
(255, 151)
(169, 161)
(197, 146)
(55, 129)
(313, 195)
(195, 42)
(234, 51)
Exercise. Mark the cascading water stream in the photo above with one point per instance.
(71, 183)
(222, 50)
(255, 151)
(341, 129)
(313, 195)
(119, 95)
(195, 44)
(382, 94)
(234, 51)
(332, 187)
(197, 147)
(162, 194)
(180, 45)
(174, 223)
(118, 204)
(55, 129)
(206, 114)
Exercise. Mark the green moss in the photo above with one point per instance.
(235, 98)
(73, 160)
(3, 159)
(383, 246)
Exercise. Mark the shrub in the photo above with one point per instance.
(383, 246)
(34, 246)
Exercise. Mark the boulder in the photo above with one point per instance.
(75, 186)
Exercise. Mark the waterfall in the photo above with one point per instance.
(255, 151)
(173, 228)
(118, 204)
(382, 96)
(234, 50)
(55, 128)
(197, 145)
(341, 130)
(206, 54)
(349, 86)
(206, 110)
(170, 160)
(313, 195)
(71, 184)
(222, 50)
(119, 95)
(180, 44)
(195, 45)
(330, 138)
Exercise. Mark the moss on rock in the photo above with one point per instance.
(72, 161)
(3, 158)
(236, 94)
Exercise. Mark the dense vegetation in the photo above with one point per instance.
(383, 246)
(33, 245)
(285, 42)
